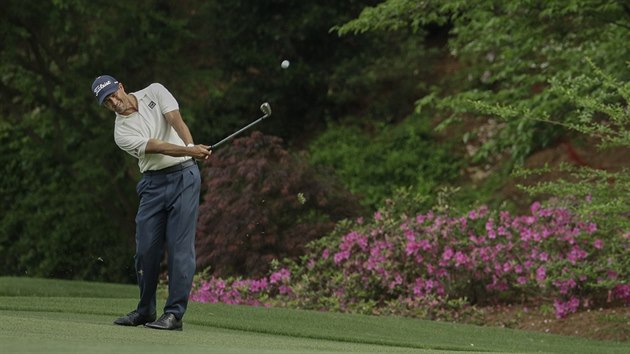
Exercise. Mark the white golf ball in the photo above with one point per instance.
(285, 64)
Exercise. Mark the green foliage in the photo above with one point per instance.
(601, 103)
(67, 190)
(394, 15)
(375, 166)
(509, 52)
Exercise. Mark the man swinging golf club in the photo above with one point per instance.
(150, 127)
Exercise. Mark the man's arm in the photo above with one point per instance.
(174, 118)
(199, 152)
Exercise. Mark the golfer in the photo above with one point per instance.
(150, 128)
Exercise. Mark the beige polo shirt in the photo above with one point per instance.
(132, 132)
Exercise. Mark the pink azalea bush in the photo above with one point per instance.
(439, 266)
(237, 291)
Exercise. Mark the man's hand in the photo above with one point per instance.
(200, 152)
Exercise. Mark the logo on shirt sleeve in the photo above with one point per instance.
(151, 104)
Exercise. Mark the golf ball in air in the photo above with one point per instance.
(285, 64)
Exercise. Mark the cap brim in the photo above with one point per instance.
(106, 92)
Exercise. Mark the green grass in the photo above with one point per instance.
(52, 316)
(13, 286)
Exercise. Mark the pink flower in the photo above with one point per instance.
(411, 248)
(325, 254)
(543, 256)
(419, 287)
(490, 229)
(460, 258)
(541, 274)
(534, 208)
(599, 244)
(576, 254)
(448, 254)
(284, 289)
(283, 275)
(310, 264)
(441, 272)
(258, 285)
(591, 228)
(397, 281)
(565, 286)
(622, 292)
(565, 308)
(341, 256)
(409, 235)
(378, 216)
(351, 239)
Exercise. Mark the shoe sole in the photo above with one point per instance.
(130, 324)
(165, 329)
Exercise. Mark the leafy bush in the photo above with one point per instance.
(262, 203)
(600, 101)
(436, 266)
(66, 213)
(374, 167)
(509, 52)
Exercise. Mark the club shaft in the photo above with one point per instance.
(226, 139)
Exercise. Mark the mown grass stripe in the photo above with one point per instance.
(241, 321)
(16, 286)
(64, 333)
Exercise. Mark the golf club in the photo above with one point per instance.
(265, 108)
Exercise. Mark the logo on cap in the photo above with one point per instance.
(98, 88)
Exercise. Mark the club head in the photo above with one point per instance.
(266, 108)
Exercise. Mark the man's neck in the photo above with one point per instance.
(132, 105)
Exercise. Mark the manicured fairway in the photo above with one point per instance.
(38, 316)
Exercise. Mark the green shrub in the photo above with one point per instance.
(373, 167)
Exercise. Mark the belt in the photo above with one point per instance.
(174, 168)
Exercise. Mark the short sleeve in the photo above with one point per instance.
(166, 101)
(133, 144)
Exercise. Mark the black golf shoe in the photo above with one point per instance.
(133, 318)
(168, 321)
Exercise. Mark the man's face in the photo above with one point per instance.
(114, 101)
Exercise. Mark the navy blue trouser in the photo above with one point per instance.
(167, 215)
